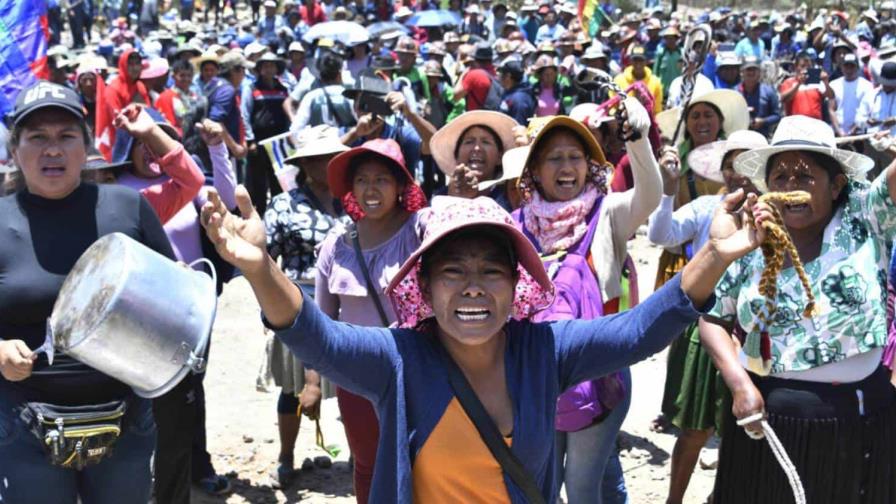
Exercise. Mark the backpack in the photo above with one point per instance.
(577, 296)
(494, 97)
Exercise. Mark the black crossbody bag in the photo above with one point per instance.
(488, 431)
(353, 236)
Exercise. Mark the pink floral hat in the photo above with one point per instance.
(534, 290)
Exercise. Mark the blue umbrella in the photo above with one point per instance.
(376, 30)
(434, 18)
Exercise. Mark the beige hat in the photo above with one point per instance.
(735, 115)
(432, 68)
(512, 163)
(320, 140)
(706, 160)
(444, 143)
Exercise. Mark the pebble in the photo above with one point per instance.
(268, 440)
(247, 438)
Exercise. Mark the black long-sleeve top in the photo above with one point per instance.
(40, 241)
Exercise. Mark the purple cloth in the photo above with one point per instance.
(578, 296)
(183, 229)
(340, 289)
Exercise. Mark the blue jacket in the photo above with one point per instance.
(519, 104)
(402, 375)
(222, 105)
(764, 104)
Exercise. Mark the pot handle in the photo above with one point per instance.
(211, 268)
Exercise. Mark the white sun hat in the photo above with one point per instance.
(706, 160)
(801, 133)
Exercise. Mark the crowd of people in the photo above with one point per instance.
(433, 206)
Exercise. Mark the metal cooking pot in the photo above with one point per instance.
(134, 315)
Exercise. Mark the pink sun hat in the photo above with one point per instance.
(156, 67)
(534, 290)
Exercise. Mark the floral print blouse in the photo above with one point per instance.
(296, 226)
(848, 280)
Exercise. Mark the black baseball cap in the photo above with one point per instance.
(44, 94)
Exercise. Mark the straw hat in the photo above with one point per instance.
(207, 57)
(706, 160)
(317, 141)
(801, 133)
(735, 115)
(539, 127)
(444, 142)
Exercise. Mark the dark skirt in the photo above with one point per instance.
(842, 456)
(695, 396)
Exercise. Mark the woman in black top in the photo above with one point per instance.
(45, 226)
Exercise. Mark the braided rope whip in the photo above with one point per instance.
(793, 477)
(693, 57)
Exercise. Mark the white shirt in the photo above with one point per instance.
(702, 85)
(690, 223)
(883, 107)
(853, 102)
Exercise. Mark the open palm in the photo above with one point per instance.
(240, 240)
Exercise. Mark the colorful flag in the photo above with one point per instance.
(591, 15)
(23, 48)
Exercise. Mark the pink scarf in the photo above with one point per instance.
(559, 225)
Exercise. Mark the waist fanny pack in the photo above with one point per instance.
(75, 436)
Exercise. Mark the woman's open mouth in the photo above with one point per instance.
(472, 314)
(372, 203)
(797, 209)
(566, 182)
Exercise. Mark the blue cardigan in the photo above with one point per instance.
(400, 372)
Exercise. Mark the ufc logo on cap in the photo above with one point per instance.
(41, 91)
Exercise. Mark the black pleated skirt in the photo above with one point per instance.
(842, 455)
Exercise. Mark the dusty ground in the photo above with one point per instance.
(243, 432)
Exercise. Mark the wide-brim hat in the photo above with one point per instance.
(206, 57)
(254, 48)
(124, 142)
(534, 290)
(444, 142)
(386, 148)
(321, 140)
(512, 163)
(884, 72)
(539, 128)
(706, 160)
(801, 133)
(96, 161)
(157, 67)
(270, 57)
(732, 105)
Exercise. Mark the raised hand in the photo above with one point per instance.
(732, 232)
(211, 132)
(464, 183)
(135, 121)
(240, 240)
